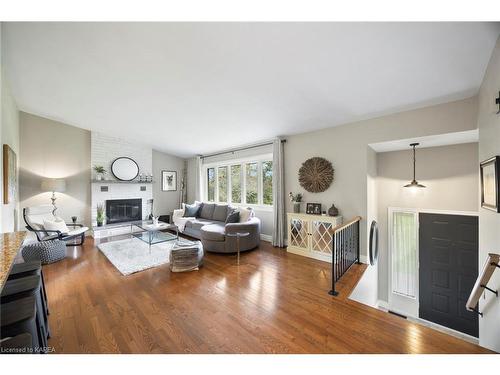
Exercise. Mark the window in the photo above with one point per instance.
(236, 183)
(404, 253)
(249, 181)
(267, 182)
(222, 179)
(211, 184)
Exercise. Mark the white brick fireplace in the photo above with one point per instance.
(104, 150)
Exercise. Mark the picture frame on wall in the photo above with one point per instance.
(168, 180)
(313, 208)
(490, 194)
(9, 175)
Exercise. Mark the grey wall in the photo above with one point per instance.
(55, 150)
(489, 222)
(9, 218)
(166, 201)
(346, 147)
(450, 174)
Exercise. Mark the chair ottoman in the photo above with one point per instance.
(46, 251)
(186, 256)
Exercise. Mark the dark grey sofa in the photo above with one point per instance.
(209, 226)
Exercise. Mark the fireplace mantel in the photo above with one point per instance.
(120, 182)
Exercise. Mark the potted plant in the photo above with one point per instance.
(100, 215)
(100, 172)
(296, 199)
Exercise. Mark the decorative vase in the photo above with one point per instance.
(99, 223)
(99, 177)
(333, 211)
(296, 207)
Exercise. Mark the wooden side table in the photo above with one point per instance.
(238, 235)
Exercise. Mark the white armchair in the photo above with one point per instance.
(36, 216)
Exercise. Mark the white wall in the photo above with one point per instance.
(105, 149)
(346, 147)
(366, 291)
(489, 222)
(166, 201)
(55, 150)
(450, 174)
(10, 136)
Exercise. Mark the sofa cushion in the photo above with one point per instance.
(220, 213)
(233, 217)
(207, 211)
(196, 224)
(191, 210)
(245, 214)
(213, 232)
(57, 224)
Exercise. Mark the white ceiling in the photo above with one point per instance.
(468, 136)
(189, 88)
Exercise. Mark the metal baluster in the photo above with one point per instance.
(343, 251)
(357, 242)
(333, 292)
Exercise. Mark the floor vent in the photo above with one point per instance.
(395, 313)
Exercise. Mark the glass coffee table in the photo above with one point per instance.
(152, 234)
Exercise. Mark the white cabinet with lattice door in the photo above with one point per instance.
(312, 235)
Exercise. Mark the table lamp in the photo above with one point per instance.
(54, 185)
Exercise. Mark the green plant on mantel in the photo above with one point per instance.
(100, 214)
(100, 172)
(99, 169)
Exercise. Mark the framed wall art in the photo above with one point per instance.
(168, 180)
(9, 175)
(490, 195)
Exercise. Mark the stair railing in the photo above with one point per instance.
(491, 264)
(345, 250)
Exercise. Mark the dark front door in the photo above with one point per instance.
(448, 252)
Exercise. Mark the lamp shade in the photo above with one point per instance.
(57, 185)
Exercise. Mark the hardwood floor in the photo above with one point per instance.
(273, 302)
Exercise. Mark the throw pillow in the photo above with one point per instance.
(245, 214)
(57, 224)
(233, 217)
(191, 210)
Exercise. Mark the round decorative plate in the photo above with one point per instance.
(316, 175)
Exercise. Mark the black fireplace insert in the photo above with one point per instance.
(122, 210)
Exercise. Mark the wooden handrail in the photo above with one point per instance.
(342, 226)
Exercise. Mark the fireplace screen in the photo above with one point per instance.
(121, 210)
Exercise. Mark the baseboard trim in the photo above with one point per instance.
(383, 305)
(449, 331)
(266, 237)
(364, 259)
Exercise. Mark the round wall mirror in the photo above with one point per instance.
(373, 242)
(124, 169)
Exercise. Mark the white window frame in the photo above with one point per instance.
(401, 303)
(243, 162)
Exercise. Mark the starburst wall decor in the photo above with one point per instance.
(316, 175)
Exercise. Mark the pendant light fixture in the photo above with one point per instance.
(414, 183)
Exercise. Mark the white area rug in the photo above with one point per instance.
(133, 255)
